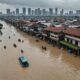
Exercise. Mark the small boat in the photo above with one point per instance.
(23, 60)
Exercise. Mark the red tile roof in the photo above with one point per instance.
(54, 29)
(69, 31)
(72, 31)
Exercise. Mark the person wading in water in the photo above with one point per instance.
(22, 52)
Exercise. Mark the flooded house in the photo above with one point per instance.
(68, 38)
(35, 29)
(54, 34)
(72, 40)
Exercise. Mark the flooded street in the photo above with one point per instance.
(52, 64)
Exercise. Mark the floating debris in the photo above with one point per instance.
(0, 40)
(22, 41)
(9, 37)
(4, 47)
(19, 40)
(37, 40)
(44, 48)
(22, 51)
(15, 45)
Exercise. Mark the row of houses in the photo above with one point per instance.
(63, 37)
(68, 38)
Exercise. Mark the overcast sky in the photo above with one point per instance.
(66, 4)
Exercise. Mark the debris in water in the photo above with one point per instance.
(22, 41)
(22, 51)
(15, 45)
(9, 37)
(19, 40)
(0, 40)
(37, 40)
(4, 47)
(44, 48)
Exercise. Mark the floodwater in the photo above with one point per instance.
(52, 64)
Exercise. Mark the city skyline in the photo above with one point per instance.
(68, 5)
(41, 12)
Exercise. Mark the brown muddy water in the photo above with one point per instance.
(52, 64)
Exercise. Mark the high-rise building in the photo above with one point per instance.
(33, 12)
(56, 11)
(8, 11)
(24, 11)
(78, 12)
(70, 13)
(43, 12)
(29, 11)
(39, 11)
(50, 11)
(62, 12)
(36, 12)
(17, 11)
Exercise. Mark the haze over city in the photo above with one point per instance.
(39, 39)
(66, 4)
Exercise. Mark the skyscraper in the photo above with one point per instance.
(24, 11)
(17, 11)
(33, 12)
(8, 11)
(29, 11)
(36, 12)
(56, 11)
(62, 12)
(70, 13)
(50, 11)
(43, 12)
(78, 12)
(39, 11)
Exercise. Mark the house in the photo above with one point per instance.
(72, 39)
(54, 34)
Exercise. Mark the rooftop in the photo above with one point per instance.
(69, 31)
(73, 31)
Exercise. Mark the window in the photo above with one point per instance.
(71, 40)
(76, 42)
(67, 39)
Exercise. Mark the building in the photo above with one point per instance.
(39, 12)
(70, 13)
(72, 40)
(62, 12)
(24, 11)
(68, 38)
(54, 34)
(17, 11)
(33, 13)
(29, 11)
(36, 12)
(50, 12)
(44, 12)
(78, 12)
(8, 11)
(56, 11)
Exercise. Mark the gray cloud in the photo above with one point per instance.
(67, 4)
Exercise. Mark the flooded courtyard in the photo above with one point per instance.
(50, 64)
